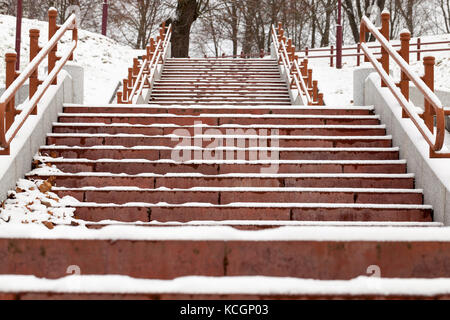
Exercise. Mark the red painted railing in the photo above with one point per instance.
(430, 123)
(12, 120)
(299, 76)
(142, 74)
(312, 53)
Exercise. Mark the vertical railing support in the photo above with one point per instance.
(428, 78)
(358, 55)
(125, 90)
(52, 28)
(332, 56)
(385, 21)
(315, 95)
(34, 50)
(419, 46)
(362, 38)
(405, 38)
(10, 113)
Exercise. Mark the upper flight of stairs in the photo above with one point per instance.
(335, 164)
(220, 82)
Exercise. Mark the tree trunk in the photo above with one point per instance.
(187, 13)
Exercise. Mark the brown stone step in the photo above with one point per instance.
(328, 130)
(86, 140)
(221, 85)
(168, 253)
(223, 288)
(225, 167)
(186, 181)
(187, 102)
(215, 120)
(288, 212)
(232, 195)
(155, 153)
(195, 110)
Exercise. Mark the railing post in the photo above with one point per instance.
(331, 56)
(125, 90)
(315, 95)
(10, 113)
(321, 102)
(358, 56)
(405, 38)
(119, 97)
(306, 52)
(52, 28)
(419, 46)
(428, 78)
(135, 69)
(362, 38)
(34, 50)
(304, 68)
(309, 83)
(385, 20)
(74, 38)
(130, 76)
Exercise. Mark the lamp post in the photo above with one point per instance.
(339, 37)
(105, 17)
(18, 31)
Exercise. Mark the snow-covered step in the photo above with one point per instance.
(113, 287)
(168, 253)
(204, 141)
(164, 129)
(213, 167)
(164, 152)
(222, 109)
(147, 212)
(190, 180)
(226, 195)
(219, 119)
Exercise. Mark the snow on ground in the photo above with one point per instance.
(32, 202)
(105, 61)
(337, 85)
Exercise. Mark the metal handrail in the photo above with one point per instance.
(435, 141)
(296, 78)
(8, 134)
(149, 67)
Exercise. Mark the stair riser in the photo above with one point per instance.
(187, 296)
(214, 169)
(185, 183)
(189, 121)
(227, 197)
(131, 214)
(169, 142)
(199, 111)
(166, 131)
(324, 260)
(96, 154)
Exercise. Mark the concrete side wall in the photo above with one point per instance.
(21, 96)
(33, 133)
(429, 174)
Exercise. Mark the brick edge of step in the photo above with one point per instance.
(16, 287)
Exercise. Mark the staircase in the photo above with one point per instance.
(330, 197)
(221, 82)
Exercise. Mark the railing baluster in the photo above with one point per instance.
(10, 59)
(428, 78)
(34, 50)
(385, 21)
(52, 28)
(405, 38)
